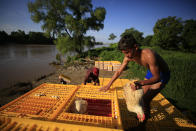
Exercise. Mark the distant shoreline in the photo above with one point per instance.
(15, 43)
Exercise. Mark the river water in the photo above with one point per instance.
(23, 63)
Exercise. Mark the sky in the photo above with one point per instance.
(120, 15)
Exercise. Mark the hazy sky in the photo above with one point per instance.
(121, 15)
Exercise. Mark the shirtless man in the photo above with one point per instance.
(158, 73)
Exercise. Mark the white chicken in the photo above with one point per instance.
(134, 100)
(79, 106)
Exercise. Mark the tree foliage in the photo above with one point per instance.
(189, 34)
(111, 36)
(68, 20)
(21, 37)
(147, 40)
(167, 32)
(18, 36)
(4, 37)
(137, 34)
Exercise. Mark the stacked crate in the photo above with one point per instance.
(101, 65)
(116, 65)
(110, 68)
(97, 64)
(108, 65)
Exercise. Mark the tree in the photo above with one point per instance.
(38, 37)
(111, 36)
(68, 20)
(136, 34)
(147, 40)
(4, 37)
(167, 32)
(188, 34)
(18, 36)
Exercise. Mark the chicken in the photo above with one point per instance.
(134, 100)
(64, 79)
(79, 106)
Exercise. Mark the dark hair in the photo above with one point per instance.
(126, 42)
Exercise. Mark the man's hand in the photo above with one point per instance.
(104, 89)
(136, 85)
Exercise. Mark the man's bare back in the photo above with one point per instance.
(147, 57)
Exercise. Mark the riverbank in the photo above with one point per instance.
(76, 72)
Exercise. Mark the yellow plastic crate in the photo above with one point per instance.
(50, 102)
(106, 64)
(117, 85)
(97, 64)
(102, 111)
(45, 101)
(47, 108)
(110, 68)
(24, 124)
(116, 65)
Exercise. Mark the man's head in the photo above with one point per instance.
(126, 42)
(128, 46)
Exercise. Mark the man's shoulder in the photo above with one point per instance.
(147, 51)
(126, 59)
(148, 54)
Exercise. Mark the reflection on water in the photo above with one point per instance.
(25, 62)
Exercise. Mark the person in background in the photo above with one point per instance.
(92, 75)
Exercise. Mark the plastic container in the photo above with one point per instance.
(108, 65)
(51, 103)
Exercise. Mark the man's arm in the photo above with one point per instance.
(116, 75)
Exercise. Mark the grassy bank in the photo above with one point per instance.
(181, 88)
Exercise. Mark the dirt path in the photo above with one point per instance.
(77, 75)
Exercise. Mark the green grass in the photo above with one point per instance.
(182, 85)
(181, 89)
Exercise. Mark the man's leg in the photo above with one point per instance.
(150, 91)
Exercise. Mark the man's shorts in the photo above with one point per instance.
(163, 76)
